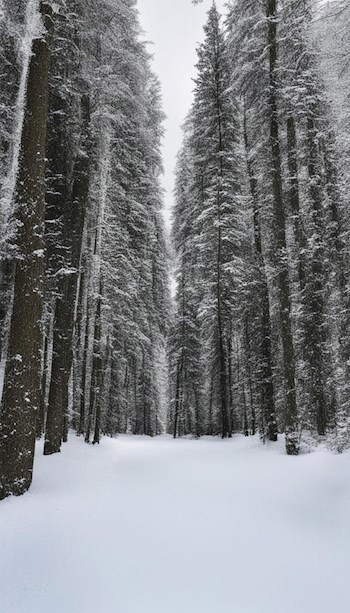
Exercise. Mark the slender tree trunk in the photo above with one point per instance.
(126, 387)
(230, 381)
(265, 349)
(211, 430)
(136, 407)
(61, 369)
(178, 396)
(226, 421)
(96, 390)
(93, 377)
(40, 422)
(21, 396)
(241, 386)
(63, 340)
(251, 395)
(223, 379)
(294, 199)
(82, 399)
(226, 430)
(196, 405)
(245, 415)
(250, 379)
(291, 411)
(315, 301)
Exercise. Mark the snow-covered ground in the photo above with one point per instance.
(162, 526)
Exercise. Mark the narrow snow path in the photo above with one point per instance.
(163, 526)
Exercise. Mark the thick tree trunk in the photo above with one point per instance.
(283, 288)
(21, 396)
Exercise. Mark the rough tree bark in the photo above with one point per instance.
(21, 396)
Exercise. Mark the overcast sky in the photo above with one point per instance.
(175, 27)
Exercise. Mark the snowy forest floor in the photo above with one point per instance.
(162, 526)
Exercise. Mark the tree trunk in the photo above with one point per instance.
(40, 422)
(210, 416)
(178, 395)
(21, 396)
(230, 381)
(96, 396)
(82, 396)
(63, 340)
(251, 395)
(315, 301)
(61, 369)
(291, 411)
(294, 199)
(265, 349)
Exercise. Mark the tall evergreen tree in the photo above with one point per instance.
(215, 196)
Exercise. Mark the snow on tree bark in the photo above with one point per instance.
(21, 395)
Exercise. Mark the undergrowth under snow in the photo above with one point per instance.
(162, 526)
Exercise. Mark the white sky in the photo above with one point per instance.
(175, 27)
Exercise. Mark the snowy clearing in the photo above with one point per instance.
(158, 526)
